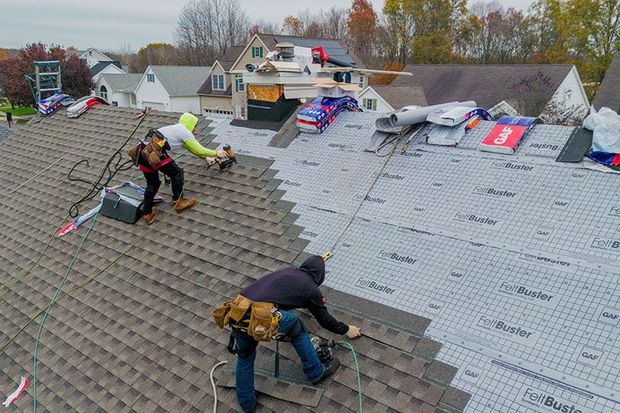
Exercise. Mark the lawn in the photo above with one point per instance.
(19, 111)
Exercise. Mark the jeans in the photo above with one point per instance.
(244, 374)
(153, 182)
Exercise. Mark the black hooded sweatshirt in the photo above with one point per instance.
(291, 288)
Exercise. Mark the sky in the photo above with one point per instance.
(112, 24)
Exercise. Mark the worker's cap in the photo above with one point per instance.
(189, 121)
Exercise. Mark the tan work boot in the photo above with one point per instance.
(183, 203)
(149, 218)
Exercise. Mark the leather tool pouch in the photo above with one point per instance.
(220, 313)
(263, 321)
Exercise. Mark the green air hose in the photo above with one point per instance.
(357, 372)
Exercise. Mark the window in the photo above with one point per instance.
(114, 103)
(361, 82)
(217, 82)
(103, 92)
(369, 104)
(257, 51)
(150, 77)
(239, 86)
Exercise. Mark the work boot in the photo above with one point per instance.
(330, 368)
(183, 203)
(149, 218)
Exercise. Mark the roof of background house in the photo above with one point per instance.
(486, 84)
(399, 96)
(608, 93)
(102, 65)
(230, 57)
(333, 47)
(181, 80)
(5, 132)
(139, 335)
(122, 82)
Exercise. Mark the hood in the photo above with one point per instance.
(189, 121)
(314, 266)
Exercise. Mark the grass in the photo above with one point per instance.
(19, 111)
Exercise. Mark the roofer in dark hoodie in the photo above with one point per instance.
(287, 289)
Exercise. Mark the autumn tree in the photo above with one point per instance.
(76, 77)
(362, 29)
(154, 54)
(396, 32)
(292, 26)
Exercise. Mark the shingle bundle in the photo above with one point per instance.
(321, 112)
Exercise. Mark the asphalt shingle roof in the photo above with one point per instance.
(181, 80)
(102, 65)
(139, 337)
(608, 94)
(5, 132)
(399, 96)
(486, 84)
(122, 82)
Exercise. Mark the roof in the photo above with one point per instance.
(132, 330)
(230, 57)
(482, 244)
(608, 93)
(102, 65)
(122, 82)
(401, 96)
(207, 89)
(181, 80)
(333, 47)
(486, 84)
(5, 132)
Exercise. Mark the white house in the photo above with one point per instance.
(92, 56)
(108, 67)
(171, 88)
(389, 98)
(117, 88)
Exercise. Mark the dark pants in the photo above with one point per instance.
(244, 373)
(172, 171)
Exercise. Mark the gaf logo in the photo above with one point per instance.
(496, 193)
(511, 165)
(474, 218)
(358, 127)
(560, 204)
(503, 135)
(505, 329)
(589, 356)
(457, 274)
(471, 374)
(372, 199)
(395, 257)
(605, 244)
(609, 316)
(291, 183)
(543, 233)
(243, 151)
(546, 402)
(435, 307)
(578, 174)
(393, 176)
(525, 293)
(374, 286)
(550, 146)
(306, 162)
(614, 212)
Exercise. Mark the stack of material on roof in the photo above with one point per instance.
(321, 112)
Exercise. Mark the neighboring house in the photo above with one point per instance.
(216, 92)
(608, 94)
(92, 56)
(118, 89)
(551, 91)
(113, 66)
(171, 88)
(389, 98)
(254, 53)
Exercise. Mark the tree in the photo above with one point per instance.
(154, 54)
(76, 77)
(292, 26)
(362, 29)
(206, 28)
(396, 32)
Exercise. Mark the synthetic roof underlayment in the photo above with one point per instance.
(132, 331)
(514, 258)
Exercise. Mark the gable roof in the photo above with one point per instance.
(181, 80)
(398, 96)
(230, 57)
(486, 84)
(132, 329)
(333, 47)
(122, 82)
(608, 93)
(102, 65)
(206, 88)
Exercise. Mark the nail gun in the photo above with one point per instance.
(227, 163)
(323, 348)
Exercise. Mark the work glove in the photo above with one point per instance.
(353, 332)
(210, 161)
(221, 154)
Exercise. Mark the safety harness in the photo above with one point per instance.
(153, 149)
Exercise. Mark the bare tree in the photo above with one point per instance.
(206, 28)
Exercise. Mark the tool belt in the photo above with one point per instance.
(152, 151)
(259, 320)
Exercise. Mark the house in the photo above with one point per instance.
(251, 56)
(92, 56)
(110, 67)
(131, 329)
(554, 92)
(608, 94)
(390, 98)
(118, 89)
(216, 92)
(171, 88)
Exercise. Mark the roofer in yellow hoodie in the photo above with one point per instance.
(152, 157)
